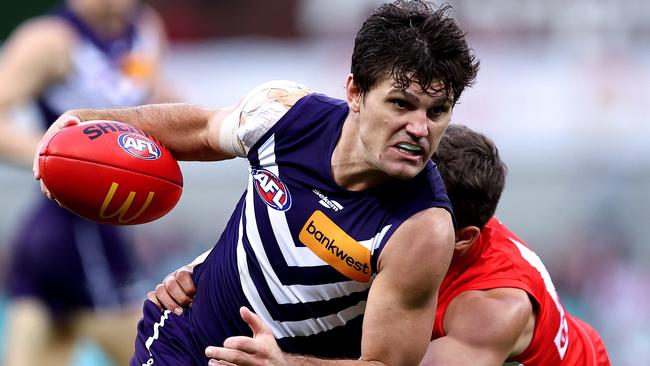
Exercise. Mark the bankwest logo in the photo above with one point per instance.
(336, 247)
(139, 146)
(271, 189)
(326, 202)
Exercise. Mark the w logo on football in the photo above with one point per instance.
(126, 205)
(271, 189)
(139, 146)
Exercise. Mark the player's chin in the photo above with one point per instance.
(404, 171)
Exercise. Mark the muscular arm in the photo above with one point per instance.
(483, 328)
(195, 133)
(401, 303)
(34, 56)
(190, 132)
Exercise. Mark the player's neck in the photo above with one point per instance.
(350, 169)
(106, 27)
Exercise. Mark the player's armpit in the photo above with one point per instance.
(483, 328)
(402, 300)
(242, 125)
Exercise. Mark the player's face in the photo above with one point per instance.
(400, 129)
(121, 9)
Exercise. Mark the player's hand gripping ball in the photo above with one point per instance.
(110, 173)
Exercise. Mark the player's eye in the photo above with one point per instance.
(435, 112)
(400, 103)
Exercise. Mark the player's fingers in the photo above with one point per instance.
(175, 290)
(65, 120)
(219, 354)
(151, 295)
(256, 323)
(220, 363)
(166, 300)
(184, 278)
(35, 164)
(242, 343)
(45, 191)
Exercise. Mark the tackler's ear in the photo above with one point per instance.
(353, 94)
(465, 237)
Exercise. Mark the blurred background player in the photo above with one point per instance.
(497, 301)
(69, 278)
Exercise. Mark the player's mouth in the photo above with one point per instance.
(410, 149)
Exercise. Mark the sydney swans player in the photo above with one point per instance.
(497, 302)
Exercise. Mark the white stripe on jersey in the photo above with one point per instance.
(294, 256)
(95, 82)
(289, 294)
(298, 256)
(373, 243)
(281, 329)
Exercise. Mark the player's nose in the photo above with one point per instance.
(417, 125)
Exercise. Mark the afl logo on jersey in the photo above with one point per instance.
(139, 146)
(271, 189)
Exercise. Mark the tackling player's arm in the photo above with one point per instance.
(483, 328)
(401, 304)
(36, 55)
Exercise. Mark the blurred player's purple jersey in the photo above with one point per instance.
(58, 257)
(299, 250)
(104, 73)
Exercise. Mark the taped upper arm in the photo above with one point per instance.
(256, 113)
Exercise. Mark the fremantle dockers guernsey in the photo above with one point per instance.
(299, 250)
(104, 73)
(501, 259)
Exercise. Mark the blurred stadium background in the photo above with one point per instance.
(563, 90)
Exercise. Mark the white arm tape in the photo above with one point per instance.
(253, 117)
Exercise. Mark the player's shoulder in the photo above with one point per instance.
(284, 92)
(502, 312)
(150, 18)
(48, 33)
(424, 235)
(511, 300)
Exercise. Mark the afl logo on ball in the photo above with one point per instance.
(139, 146)
(271, 189)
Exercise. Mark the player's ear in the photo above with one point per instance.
(465, 237)
(353, 94)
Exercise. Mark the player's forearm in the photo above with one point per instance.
(182, 128)
(17, 147)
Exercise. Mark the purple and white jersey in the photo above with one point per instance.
(300, 250)
(104, 73)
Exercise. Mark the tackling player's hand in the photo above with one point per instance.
(176, 291)
(261, 349)
(65, 120)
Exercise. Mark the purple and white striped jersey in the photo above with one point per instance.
(104, 73)
(299, 250)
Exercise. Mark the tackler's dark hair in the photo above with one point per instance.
(473, 173)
